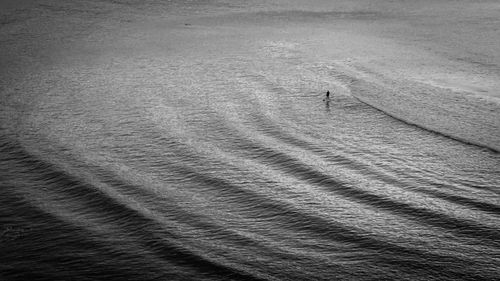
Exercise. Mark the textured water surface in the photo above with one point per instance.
(203, 150)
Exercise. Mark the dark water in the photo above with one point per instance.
(233, 168)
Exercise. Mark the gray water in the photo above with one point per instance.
(200, 148)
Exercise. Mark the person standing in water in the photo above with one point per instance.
(327, 101)
(327, 98)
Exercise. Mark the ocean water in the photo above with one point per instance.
(190, 141)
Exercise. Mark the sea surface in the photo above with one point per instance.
(190, 140)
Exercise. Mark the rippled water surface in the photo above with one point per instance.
(175, 151)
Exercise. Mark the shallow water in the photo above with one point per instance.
(202, 159)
